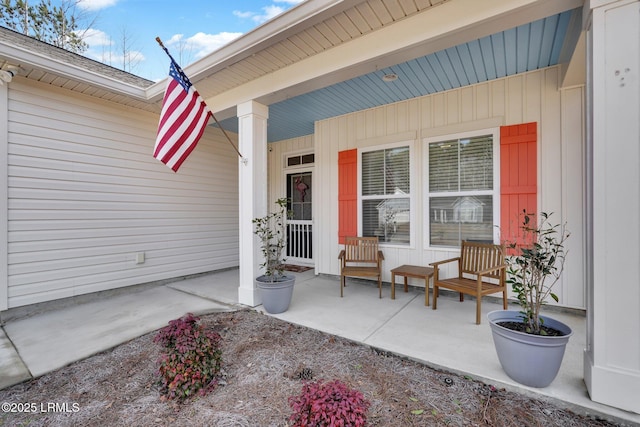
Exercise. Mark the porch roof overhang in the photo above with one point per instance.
(325, 58)
(42, 62)
(443, 45)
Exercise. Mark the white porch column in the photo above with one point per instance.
(252, 175)
(612, 356)
(4, 197)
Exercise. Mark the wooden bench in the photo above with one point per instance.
(477, 263)
(360, 258)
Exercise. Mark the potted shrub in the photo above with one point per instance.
(275, 287)
(531, 346)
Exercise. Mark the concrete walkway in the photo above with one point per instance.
(35, 345)
(447, 338)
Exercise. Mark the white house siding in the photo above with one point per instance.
(277, 158)
(533, 96)
(85, 197)
(3, 195)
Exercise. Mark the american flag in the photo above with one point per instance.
(182, 121)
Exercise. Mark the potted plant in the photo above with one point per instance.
(275, 287)
(531, 346)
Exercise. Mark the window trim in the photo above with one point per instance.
(495, 192)
(412, 195)
(297, 153)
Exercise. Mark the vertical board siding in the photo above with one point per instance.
(277, 163)
(481, 101)
(528, 97)
(573, 155)
(85, 196)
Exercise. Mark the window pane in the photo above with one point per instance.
(453, 219)
(293, 161)
(389, 219)
(396, 171)
(386, 186)
(306, 212)
(443, 166)
(476, 163)
(308, 158)
(372, 176)
(457, 166)
(299, 195)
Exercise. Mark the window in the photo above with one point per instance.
(299, 196)
(462, 181)
(297, 160)
(386, 194)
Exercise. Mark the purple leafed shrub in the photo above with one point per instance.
(191, 360)
(327, 405)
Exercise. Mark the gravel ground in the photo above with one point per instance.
(263, 359)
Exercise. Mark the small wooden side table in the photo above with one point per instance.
(414, 271)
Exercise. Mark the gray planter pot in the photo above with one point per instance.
(532, 360)
(276, 296)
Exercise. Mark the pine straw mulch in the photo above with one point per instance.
(264, 359)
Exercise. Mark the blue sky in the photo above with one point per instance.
(189, 29)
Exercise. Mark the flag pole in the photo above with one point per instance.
(244, 160)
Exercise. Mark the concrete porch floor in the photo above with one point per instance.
(446, 339)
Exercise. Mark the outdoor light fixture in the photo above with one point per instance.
(7, 75)
(391, 77)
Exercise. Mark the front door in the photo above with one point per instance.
(299, 227)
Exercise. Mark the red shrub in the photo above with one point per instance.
(328, 404)
(192, 358)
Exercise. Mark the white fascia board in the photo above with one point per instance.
(303, 15)
(27, 59)
(448, 24)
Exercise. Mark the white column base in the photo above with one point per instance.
(248, 297)
(617, 388)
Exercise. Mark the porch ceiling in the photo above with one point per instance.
(542, 43)
(311, 63)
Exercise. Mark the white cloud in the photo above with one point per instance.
(201, 44)
(243, 15)
(96, 38)
(267, 12)
(96, 4)
(175, 39)
(115, 59)
(103, 48)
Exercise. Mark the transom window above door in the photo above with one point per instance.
(301, 159)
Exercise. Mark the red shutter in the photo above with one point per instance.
(347, 194)
(518, 177)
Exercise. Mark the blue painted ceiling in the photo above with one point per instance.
(525, 48)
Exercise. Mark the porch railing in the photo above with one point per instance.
(299, 240)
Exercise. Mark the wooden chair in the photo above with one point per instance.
(360, 258)
(477, 263)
